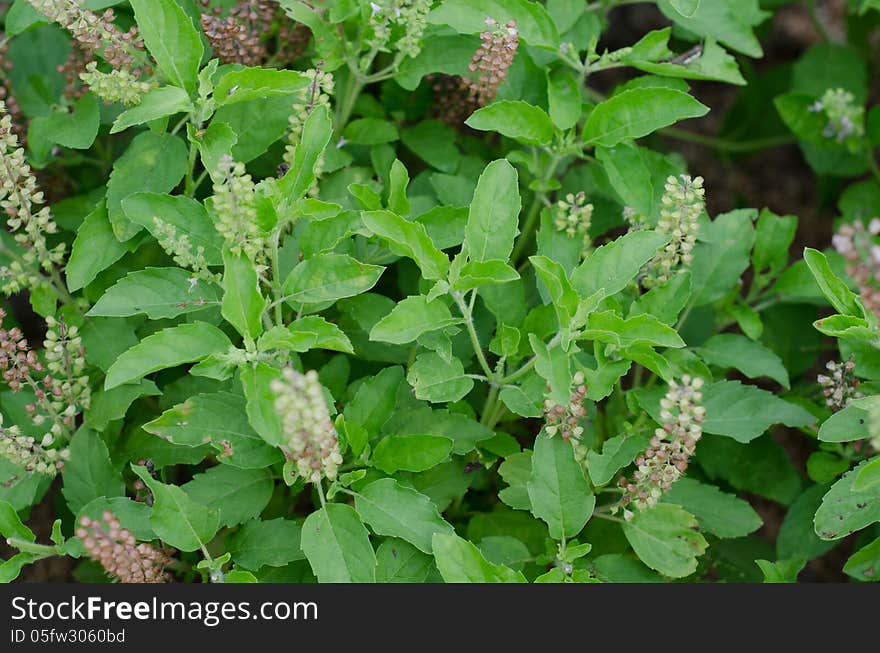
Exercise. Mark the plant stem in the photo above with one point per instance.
(345, 105)
(189, 184)
(723, 145)
(42, 550)
(489, 407)
(603, 515)
(817, 23)
(528, 365)
(472, 332)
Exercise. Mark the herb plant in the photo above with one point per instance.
(425, 291)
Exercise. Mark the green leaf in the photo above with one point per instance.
(433, 142)
(158, 103)
(722, 255)
(370, 131)
(797, 536)
(450, 54)
(845, 510)
(781, 571)
(474, 274)
(408, 239)
(94, 249)
(665, 302)
(185, 343)
(742, 412)
(153, 162)
(188, 217)
(645, 329)
(437, 380)
(761, 467)
(727, 350)
(834, 289)
(310, 332)
(493, 219)
(721, 514)
(617, 453)
(110, 405)
(687, 8)
(11, 525)
(89, 474)
(559, 493)
(614, 265)
(328, 278)
(666, 538)
(75, 129)
(868, 477)
(848, 328)
(221, 420)
(533, 23)
(553, 364)
(157, 292)
(515, 119)
(172, 39)
(178, 520)
(564, 297)
(373, 403)
(217, 140)
(516, 470)
(398, 180)
(638, 112)
(411, 318)
(257, 83)
(411, 453)
(464, 431)
(629, 176)
(863, 564)
(713, 63)
(401, 562)
(773, 237)
(459, 561)
(316, 133)
(243, 304)
(392, 509)
(337, 546)
(256, 382)
(237, 494)
(272, 543)
(564, 98)
(729, 21)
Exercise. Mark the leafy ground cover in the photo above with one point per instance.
(450, 291)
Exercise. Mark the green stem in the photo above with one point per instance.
(489, 407)
(528, 365)
(189, 184)
(817, 23)
(472, 332)
(42, 550)
(320, 488)
(723, 145)
(602, 515)
(354, 84)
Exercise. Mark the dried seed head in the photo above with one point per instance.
(118, 552)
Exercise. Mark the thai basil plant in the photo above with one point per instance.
(423, 291)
